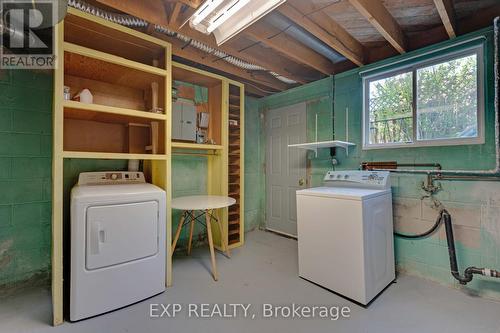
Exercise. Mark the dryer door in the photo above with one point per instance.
(120, 233)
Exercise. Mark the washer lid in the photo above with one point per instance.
(343, 192)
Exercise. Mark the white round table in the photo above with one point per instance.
(204, 203)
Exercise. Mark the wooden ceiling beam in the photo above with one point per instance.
(447, 14)
(271, 36)
(174, 16)
(148, 13)
(335, 42)
(191, 3)
(375, 12)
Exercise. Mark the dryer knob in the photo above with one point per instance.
(114, 176)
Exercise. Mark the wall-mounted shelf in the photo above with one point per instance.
(112, 156)
(73, 105)
(314, 146)
(197, 146)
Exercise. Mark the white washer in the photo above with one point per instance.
(118, 244)
(345, 234)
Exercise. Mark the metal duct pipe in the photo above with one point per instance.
(134, 22)
(284, 24)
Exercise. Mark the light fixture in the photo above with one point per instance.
(225, 13)
(226, 18)
(206, 9)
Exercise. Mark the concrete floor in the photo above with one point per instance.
(265, 271)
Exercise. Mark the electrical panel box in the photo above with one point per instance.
(184, 121)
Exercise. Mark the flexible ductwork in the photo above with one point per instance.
(134, 22)
(284, 24)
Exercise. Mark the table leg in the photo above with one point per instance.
(211, 244)
(191, 227)
(222, 235)
(178, 232)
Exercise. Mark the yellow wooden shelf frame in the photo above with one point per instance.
(113, 110)
(159, 165)
(218, 164)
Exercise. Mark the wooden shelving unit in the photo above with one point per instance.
(119, 66)
(225, 157)
(236, 163)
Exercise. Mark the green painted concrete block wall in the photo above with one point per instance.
(474, 205)
(25, 174)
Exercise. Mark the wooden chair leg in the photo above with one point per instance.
(178, 232)
(222, 235)
(191, 227)
(211, 244)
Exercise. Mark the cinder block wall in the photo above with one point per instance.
(25, 175)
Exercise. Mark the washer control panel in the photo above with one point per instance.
(111, 177)
(356, 178)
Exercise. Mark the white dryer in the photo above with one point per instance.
(345, 234)
(118, 245)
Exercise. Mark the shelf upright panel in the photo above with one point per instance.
(168, 163)
(217, 171)
(57, 180)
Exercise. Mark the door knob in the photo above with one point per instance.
(301, 182)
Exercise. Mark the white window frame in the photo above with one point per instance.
(477, 50)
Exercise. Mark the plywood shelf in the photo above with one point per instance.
(112, 38)
(112, 156)
(112, 59)
(196, 146)
(89, 111)
(97, 69)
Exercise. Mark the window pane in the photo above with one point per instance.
(447, 100)
(390, 109)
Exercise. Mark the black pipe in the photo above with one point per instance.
(445, 217)
(450, 239)
(426, 233)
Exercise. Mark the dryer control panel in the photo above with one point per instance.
(358, 179)
(111, 177)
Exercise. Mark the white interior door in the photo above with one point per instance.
(285, 167)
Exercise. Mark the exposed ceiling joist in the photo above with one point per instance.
(288, 46)
(375, 12)
(173, 20)
(447, 14)
(191, 3)
(335, 42)
(149, 13)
